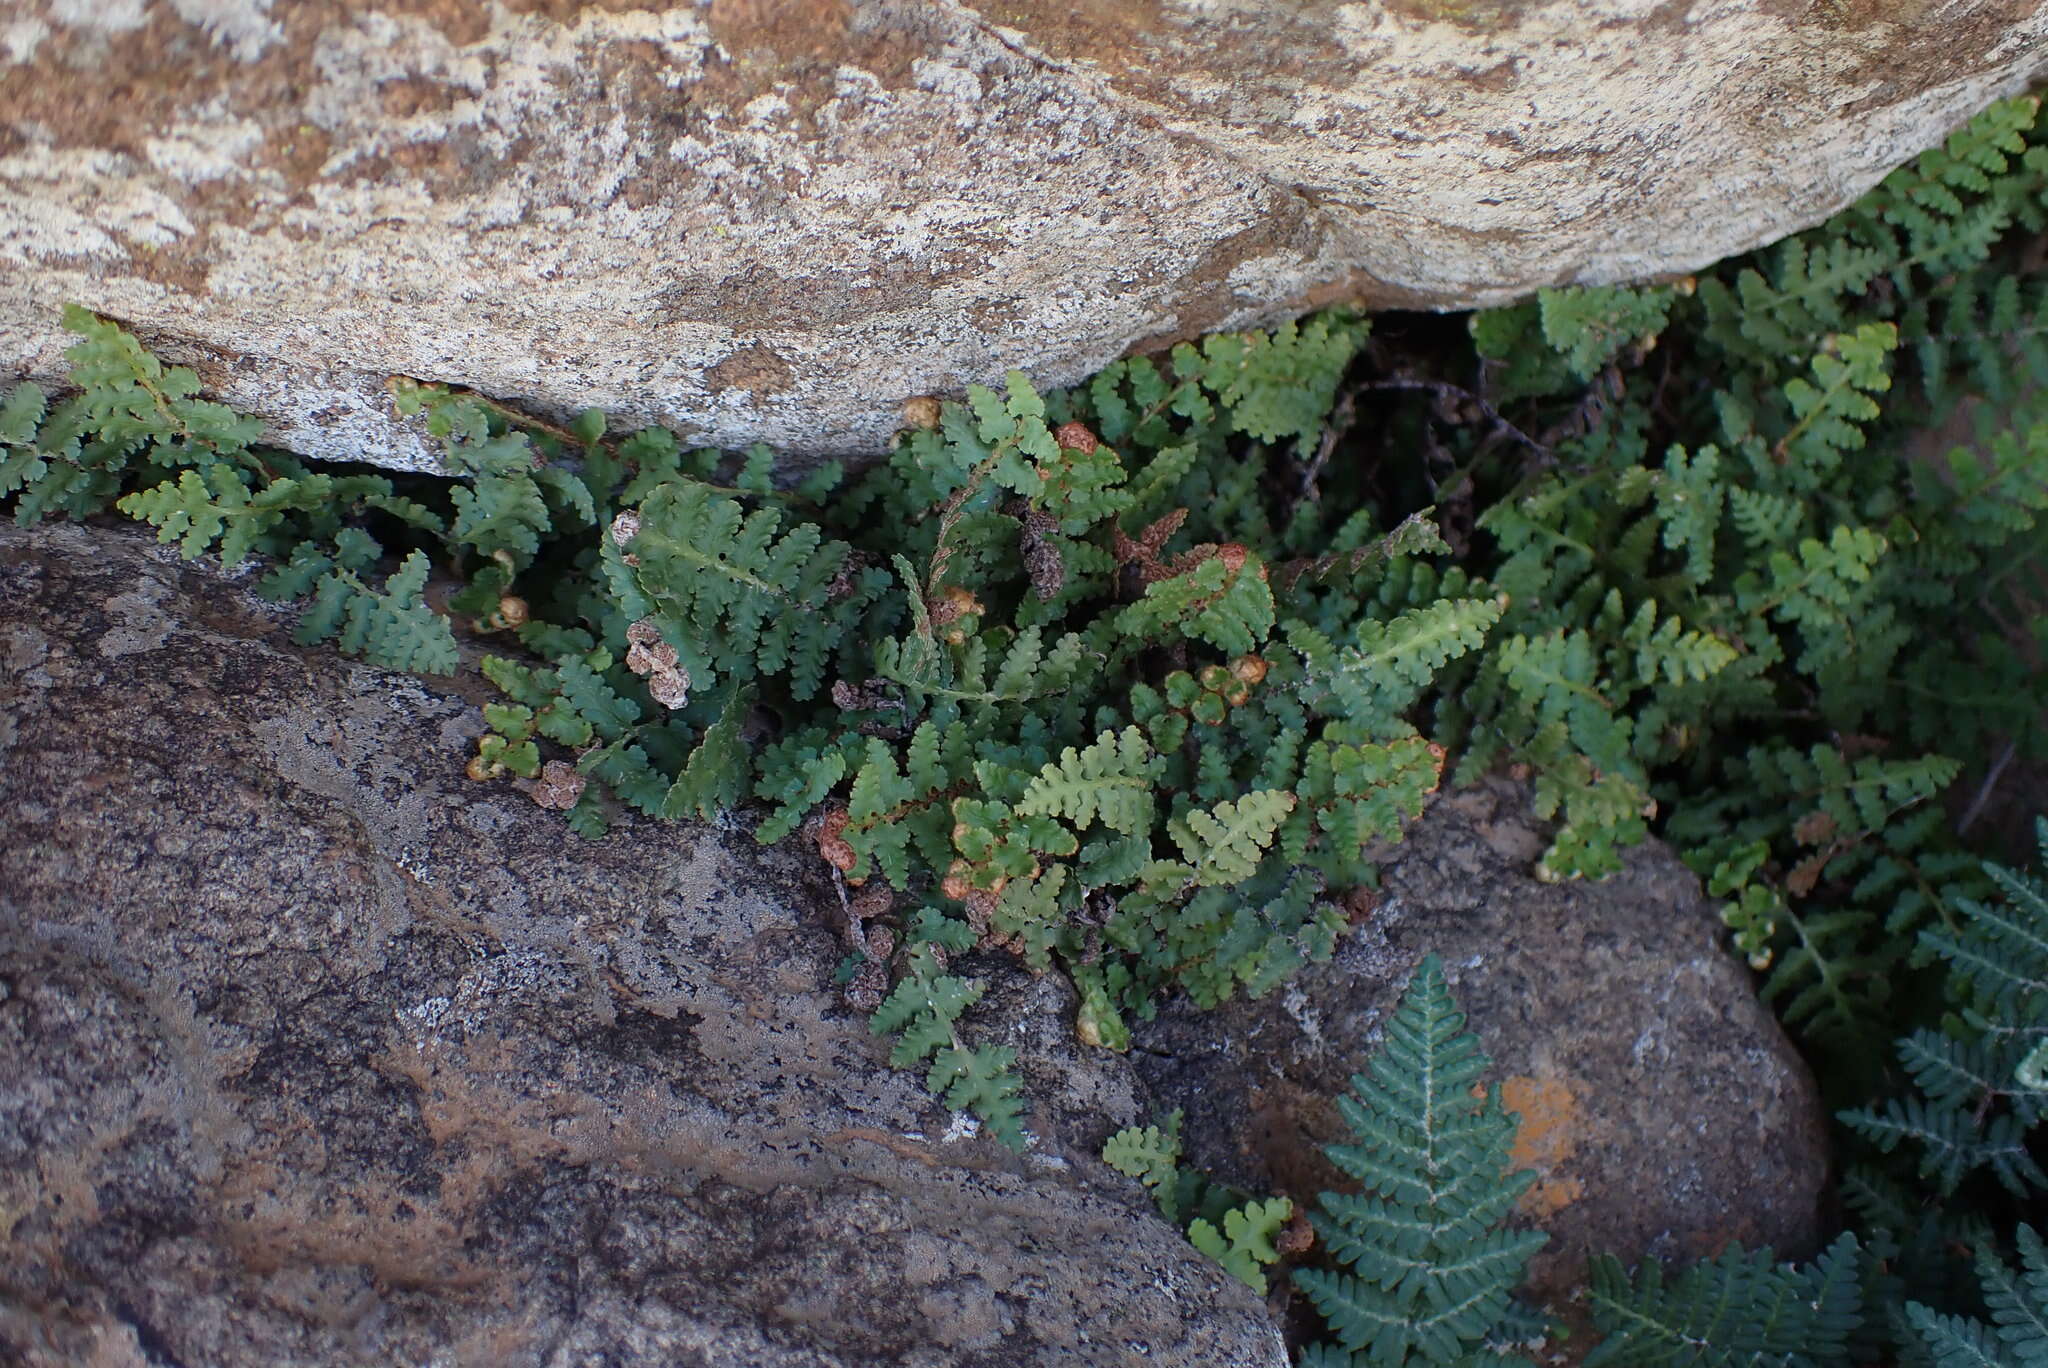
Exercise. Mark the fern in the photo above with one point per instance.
(1226, 601)
(392, 627)
(1276, 386)
(1109, 782)
(982, 1080)
(1133, 680)
(713, 778)
(1589, 325)
(1390, 664)
(1237, 1231)
(2018, 1303)
(736, 593)
(922, 1011)
(1973, 1108)
(1739, 1309)
(1430, 1275)
(1151, 1154)
(1224, 845)
(1244, 1245)
(1971, 1115)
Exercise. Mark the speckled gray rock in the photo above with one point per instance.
(777, 219)
(1663, 1111)
(314, 1053)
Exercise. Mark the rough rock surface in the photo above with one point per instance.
(314, 1053)
(1663, 1111)
(776, 219)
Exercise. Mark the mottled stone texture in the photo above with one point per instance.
(314, 1053)
(776, 219)
(1663, 1111)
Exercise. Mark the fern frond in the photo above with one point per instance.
(1110, 782)
(1588, 325)
(984, 1081)
(1431, 1276)
(1392, 662)
(1245, 1244)
(2018, 1303)
(1738, 1309)
(1226, 601)
(922, 1011)
(1151, 1154)
(392, 628)
(714, 777)
(1279, 385)
(743, 595)
(1225, 844)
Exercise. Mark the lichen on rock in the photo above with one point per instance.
(776, 222)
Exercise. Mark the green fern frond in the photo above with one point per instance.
(1589, 325)
(2018, 1303)
(1741, 1308)
(1832, 412)
(1275, 386)
(714, 777)
(1244, 1246)
(1225, 844)
(1974, 1108)
(922, 1010)
(1151, 1154)
(1431, 1276)
(1392, 662)
(1952, 1143)
(392, 628)
(1110, 782)
(736, 592)
(983, 1081)
(1226, 601)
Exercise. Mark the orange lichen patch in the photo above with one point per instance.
(1548, 1197)
(1546, 1139)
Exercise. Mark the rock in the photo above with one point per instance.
(1662, 1109)
(778, 219)
(313, 1052)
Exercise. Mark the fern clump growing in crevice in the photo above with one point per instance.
(1749, 607)
(1028, 686)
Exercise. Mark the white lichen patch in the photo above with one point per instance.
(139, 621)
(107, 16)
(206, 149)
(20, 38)
(243, 27)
